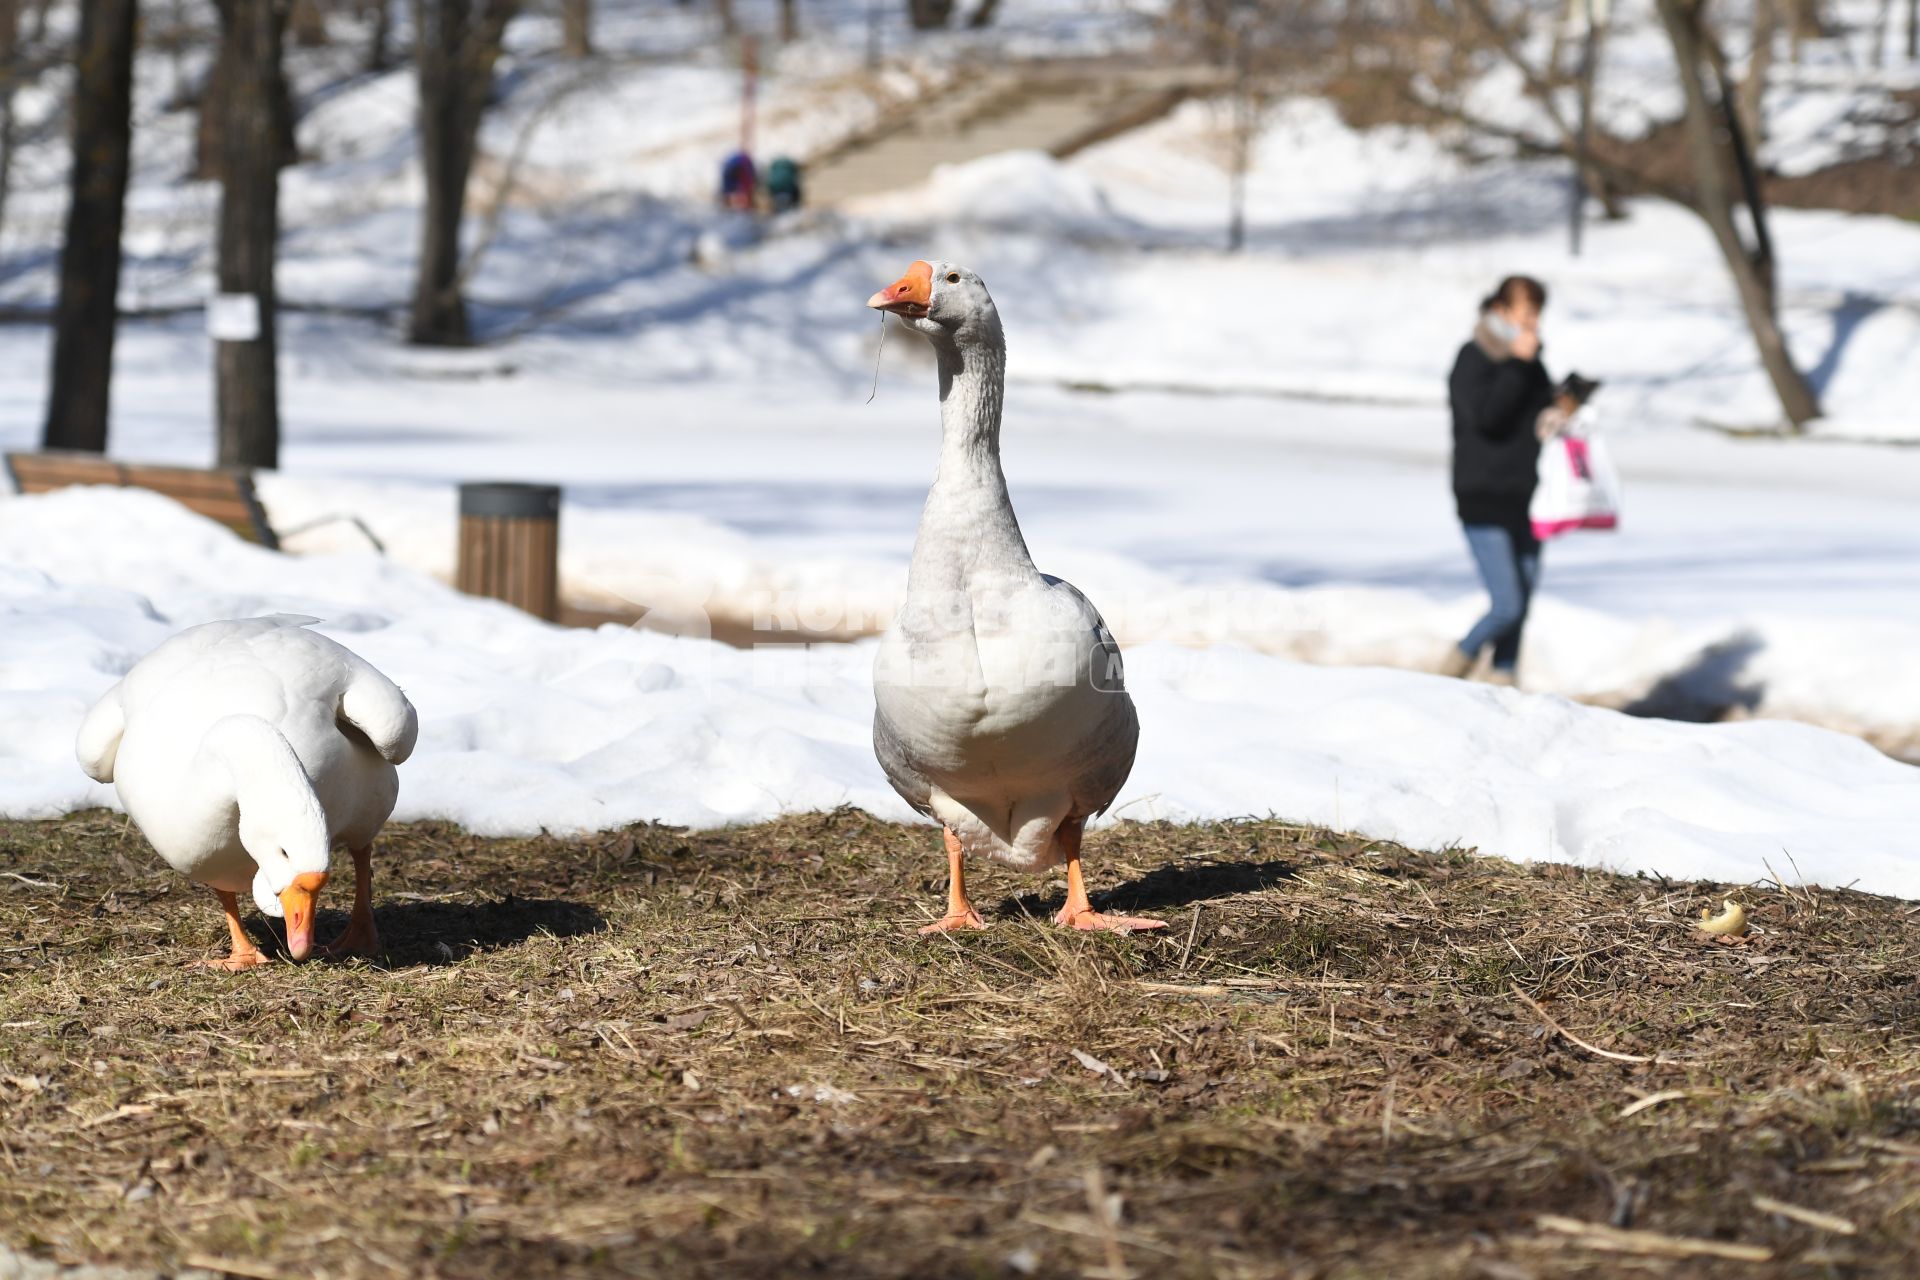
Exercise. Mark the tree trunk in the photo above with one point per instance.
(983, 14)
(1711, 135)
(217, 114)
(307, 20)
(1753, 90)
(1913, 30)
(379, 35)
(789, 21)
(1593, 183)
(576, 27)
(209, 141)
(246, 384)
(10, 60)
(457, 43)
(86, 315)
(1804, 23)
(929, 15)
(729, 21)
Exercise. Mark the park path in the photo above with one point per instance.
(1057, 106)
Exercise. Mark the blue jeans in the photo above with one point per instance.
(1510, 566)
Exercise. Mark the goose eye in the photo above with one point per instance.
(953, 277)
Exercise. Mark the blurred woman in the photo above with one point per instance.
(1499, 390)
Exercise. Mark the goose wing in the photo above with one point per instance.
(374, 705)
(98, 744)
(1111, 740)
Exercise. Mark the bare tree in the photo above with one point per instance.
(1804, 22)
(457, 43)
(11, 63)
(576, 27)
(217, 112)
(929, 15)
(86, 316)
(307, 20)
(1440, 50)
(1588, 183)
(1751, 99)
(378, 15)
(246, 381)
(27, 53)
(1263, 49)
(1721, 156)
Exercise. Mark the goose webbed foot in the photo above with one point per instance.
(960, 912)
(245, 955)
(1088, 919)
(1079, 912)
(361, 938)
(238, 962)
(965, 919)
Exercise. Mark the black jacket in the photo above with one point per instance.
(1495, 451)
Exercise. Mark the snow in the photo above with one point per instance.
(1830, 98)
(527, 727)
(1778, 578)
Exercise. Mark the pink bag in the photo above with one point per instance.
(1578, 488)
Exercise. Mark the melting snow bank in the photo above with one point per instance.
(527, 727)
(1852, 674)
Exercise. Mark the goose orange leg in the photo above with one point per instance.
(960, 912)
(245, 954)
(361, 938)
(1079, 913)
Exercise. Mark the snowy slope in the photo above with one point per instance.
(1368, 250)
(526, 727)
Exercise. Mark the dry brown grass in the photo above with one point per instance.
(655, 1052)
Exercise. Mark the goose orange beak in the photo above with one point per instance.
(909, 295)
(297, 903)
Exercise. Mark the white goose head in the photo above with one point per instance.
(285, 885)
(281, 824)
(946, 304)
(290, 851)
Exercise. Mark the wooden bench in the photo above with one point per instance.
(225, 496)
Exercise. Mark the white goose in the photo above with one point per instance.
(245, 751)
(1000, 709)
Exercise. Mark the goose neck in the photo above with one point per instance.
(269, 786)
(973, 381)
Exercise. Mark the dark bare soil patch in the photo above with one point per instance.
(721, 1054)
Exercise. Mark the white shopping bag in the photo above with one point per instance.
(1578, 487)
